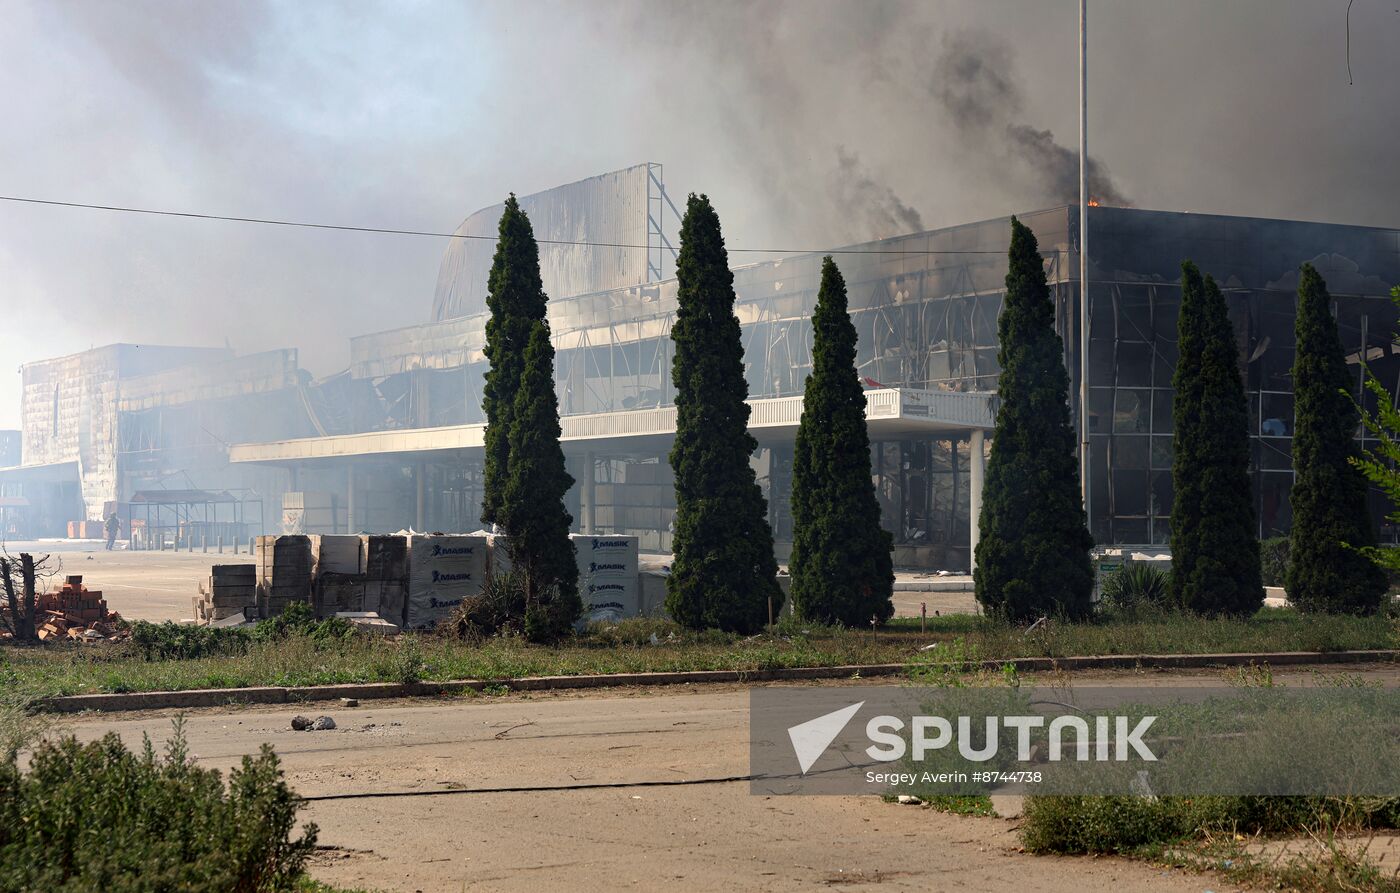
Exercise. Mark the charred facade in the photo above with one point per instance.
(394, 440)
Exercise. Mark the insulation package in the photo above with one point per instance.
(386, 576)
(608, 579)
(443, 569)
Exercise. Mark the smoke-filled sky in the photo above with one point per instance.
(811, 123)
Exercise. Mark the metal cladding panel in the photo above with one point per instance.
(437, 345)
(69, 409)
(609, 208)
(238, 376)
(10, 451)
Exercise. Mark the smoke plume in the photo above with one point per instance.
(975, 83)
(875, 206)
(810, 123)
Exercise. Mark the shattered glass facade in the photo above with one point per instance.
(1135, 259)
(925, 307)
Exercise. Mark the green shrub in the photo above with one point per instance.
(1273, 559)
(300, 619)
(1136, 585)
(1123, 824)
(174, 641)
(97, 816)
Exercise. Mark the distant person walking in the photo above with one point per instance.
(112, 526)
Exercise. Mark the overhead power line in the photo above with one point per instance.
(438, 235)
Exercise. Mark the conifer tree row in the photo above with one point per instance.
(1327, 569)
(516, 300)
(723, 574)
(841, 564)
(1215, 551)
(1033, 555)
(532, 502)
(525, 476)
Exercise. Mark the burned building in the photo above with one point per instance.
(395, 440)
(103, 427)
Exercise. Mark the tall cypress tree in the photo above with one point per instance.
(724, 572)
(516, 299)
(532, 500)
(1215, 553)
(841, 566)
(1186, 409)
(1331, 520)
(1033, 556)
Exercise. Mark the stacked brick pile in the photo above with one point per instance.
(75, 612)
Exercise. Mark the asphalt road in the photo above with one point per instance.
(701, 836)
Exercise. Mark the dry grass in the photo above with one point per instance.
(652, 646)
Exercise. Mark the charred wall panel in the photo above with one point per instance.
(609, 209)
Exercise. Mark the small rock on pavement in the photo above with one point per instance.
(349, 702)
(319, 724)
(909, 800)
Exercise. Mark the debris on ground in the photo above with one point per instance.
(909, 800)
(349, 702)
(369, 622)
(305, 724)
(76, 613)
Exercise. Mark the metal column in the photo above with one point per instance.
(977, 466)
(587, 498)
(350, 499)
(1084, 258)
(420, 517)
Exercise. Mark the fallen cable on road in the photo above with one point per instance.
(527, 789)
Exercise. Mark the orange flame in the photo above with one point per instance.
(1093, 203)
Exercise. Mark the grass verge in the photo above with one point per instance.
(1296, 843)
(315, 656)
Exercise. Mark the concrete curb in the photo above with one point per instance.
(220, 697)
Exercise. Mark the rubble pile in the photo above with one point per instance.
(75, 612)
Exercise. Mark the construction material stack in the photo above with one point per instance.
(73, 611)
(608, 576)
(386, 576)
(443, 569)
(285, 569)
(231, 591)
(340, 574)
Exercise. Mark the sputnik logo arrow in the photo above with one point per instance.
(810, 739)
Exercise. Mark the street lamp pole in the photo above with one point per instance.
(1083, 257)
